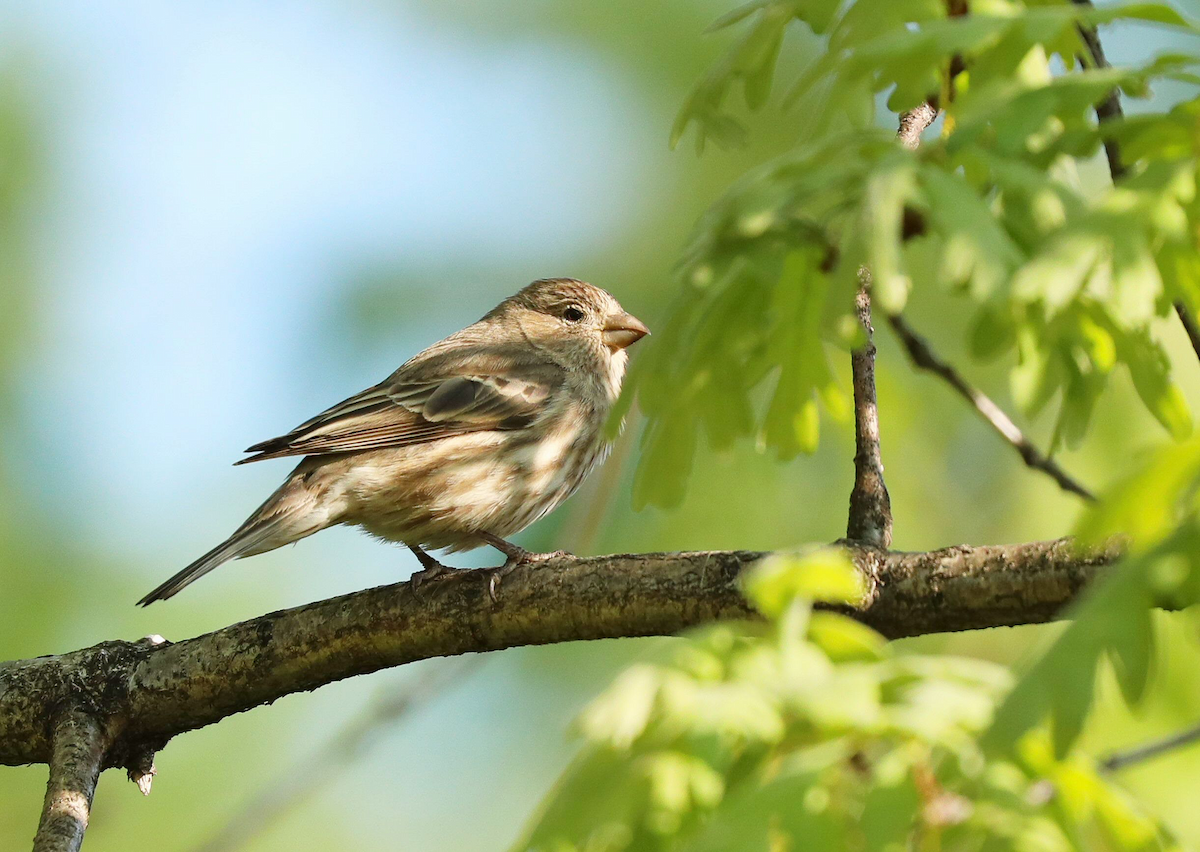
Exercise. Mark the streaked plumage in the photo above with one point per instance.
(472, 440)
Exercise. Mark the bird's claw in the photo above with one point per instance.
(496, 575)
(524, 557)
(428, 573)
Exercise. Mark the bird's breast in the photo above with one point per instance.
(440, 494)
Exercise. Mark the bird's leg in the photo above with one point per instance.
(515, 555)
(430, 567)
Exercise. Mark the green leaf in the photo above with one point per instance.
(1157, 13)
(1150, 370)
(888, 189)
(735, 16)
(1143, 505)
(591, 807)
(757, 56)
(976, 250)
(890, 814)
(825, 575)
(1132, 645)
(843, 639)
(1036, 376)
(621, 715)
(991, 333)
(1061, 683)
(666, 461)
(1056, 276)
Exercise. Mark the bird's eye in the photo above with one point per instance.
(572, 314)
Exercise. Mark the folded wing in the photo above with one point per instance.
(421, 402)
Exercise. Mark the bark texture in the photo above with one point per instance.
(78, 743)
(141, 694)
(870, 519)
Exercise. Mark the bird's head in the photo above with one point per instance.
(572, 318)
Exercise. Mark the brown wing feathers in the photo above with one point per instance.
(400, 414)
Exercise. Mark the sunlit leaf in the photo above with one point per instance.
(822, 575)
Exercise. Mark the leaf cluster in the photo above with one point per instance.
(1155, 514)
(1060, 279)
(808, 732)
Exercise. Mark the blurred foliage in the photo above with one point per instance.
(1064, 278)
(1154, 513)
(810, 732)
(57, 593)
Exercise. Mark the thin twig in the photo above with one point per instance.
(1109, 109)
(914, 122)
(1189, 325)
(870, 519)
(1137, 754)
(79, 745)
(307, 777)
(923, 357)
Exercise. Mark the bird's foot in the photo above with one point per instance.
(515, 557)
(430, 568)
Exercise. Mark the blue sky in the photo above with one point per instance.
(217, 171)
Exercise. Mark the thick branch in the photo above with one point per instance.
(78, 746)
(159, 691)
(923, 357)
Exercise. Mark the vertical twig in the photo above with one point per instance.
(913, 124)
(80, 743)
(870, 506)
(1110, 107)
(870, 519)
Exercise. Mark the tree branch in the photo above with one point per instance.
(151, 693)
(923, 357)
(914, 122)
(1128, 757)
(77, 749)
(870, 520)
(1110, 107)
(1189, 325)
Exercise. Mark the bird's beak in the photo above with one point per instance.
(621, 330)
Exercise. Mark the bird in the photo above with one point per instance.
(469, 442)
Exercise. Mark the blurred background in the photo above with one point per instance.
(217, 219)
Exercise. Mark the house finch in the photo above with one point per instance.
(472, 440)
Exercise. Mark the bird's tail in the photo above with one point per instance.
(244, 542)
